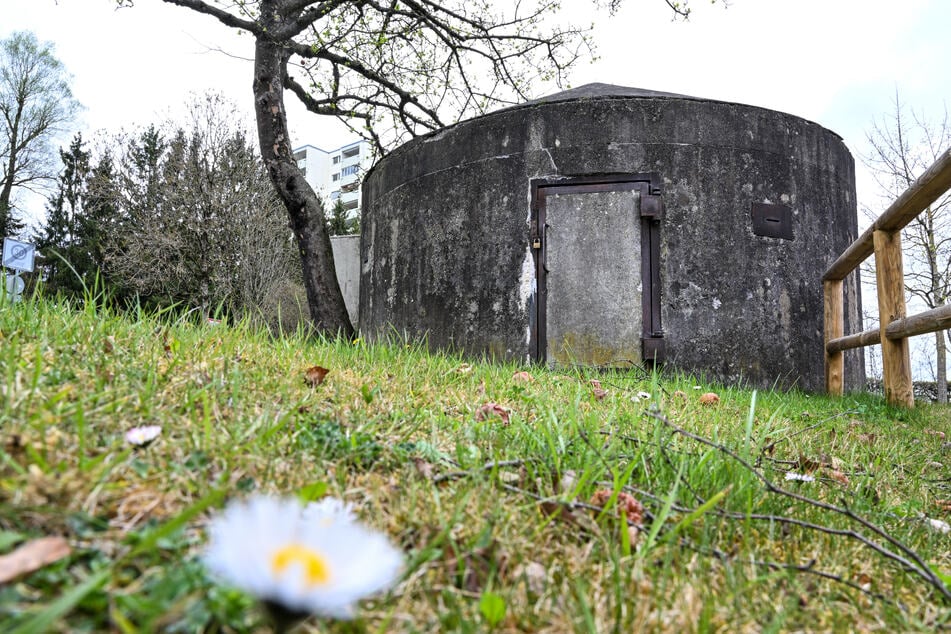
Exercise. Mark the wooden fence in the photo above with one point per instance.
(883, 239)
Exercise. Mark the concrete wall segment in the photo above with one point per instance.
(446, 228)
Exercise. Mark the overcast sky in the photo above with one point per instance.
(835, 62)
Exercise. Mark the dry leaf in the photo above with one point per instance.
(597, 390)
(626, 503)
(679, 396)
(472, 569)
(934, 432)
(423, 468)
(490, 410)
(568, 482)
(627, 506)
(523, 376)
(108, 345)
(465, 368)
(315, 375)
(535, 577)
(808, 464)
(709, 398)
(563, 512)
(633, 532)
(868, 439)
(141, 503)
(838, 476)
(864, 581)
(14, 444)
(510, 477)
(32, 556)
(944, 505)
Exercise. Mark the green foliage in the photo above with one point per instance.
(81, 214)
(177, 217)
(492, 608)
(339, 222)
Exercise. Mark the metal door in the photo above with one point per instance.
(597, 274)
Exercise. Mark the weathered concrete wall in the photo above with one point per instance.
(346, 251)
(446, 250)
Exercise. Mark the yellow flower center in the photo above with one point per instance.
(315, 568)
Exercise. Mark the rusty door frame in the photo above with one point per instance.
(651, 212)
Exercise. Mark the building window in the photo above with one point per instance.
(350, 204)
(336, 159)
(350, 169)
(350, 152)
(335, 195)
(301, 155)
(336, 177)
(349, 187)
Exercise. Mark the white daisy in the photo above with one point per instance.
(328, 510)
(938, 525)
(317, 559)
(802, 477)
(142, 436)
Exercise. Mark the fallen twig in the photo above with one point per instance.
(489, 466)
(908, 559)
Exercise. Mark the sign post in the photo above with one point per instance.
(20, 257)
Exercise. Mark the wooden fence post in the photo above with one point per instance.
(896, 363)
(834, 328)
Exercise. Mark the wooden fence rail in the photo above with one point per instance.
(883, 239)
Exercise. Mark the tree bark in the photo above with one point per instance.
(942, 373)
(324, 298)
(937, 297)
(7, 223)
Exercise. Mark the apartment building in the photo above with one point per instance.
(337, 174)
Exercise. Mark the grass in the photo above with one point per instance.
(493, 515)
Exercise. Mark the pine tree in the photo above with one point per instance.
(338, 222)
(81, 218)
(67, 263)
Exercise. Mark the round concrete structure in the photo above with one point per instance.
(607, 226)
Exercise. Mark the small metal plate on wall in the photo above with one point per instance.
(772, 221)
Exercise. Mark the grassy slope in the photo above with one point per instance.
(387, 430)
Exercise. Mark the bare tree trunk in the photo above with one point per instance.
(324, 299)
(942, 373)
(6, 220)
(937, 299)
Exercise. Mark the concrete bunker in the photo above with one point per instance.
(611, 226)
